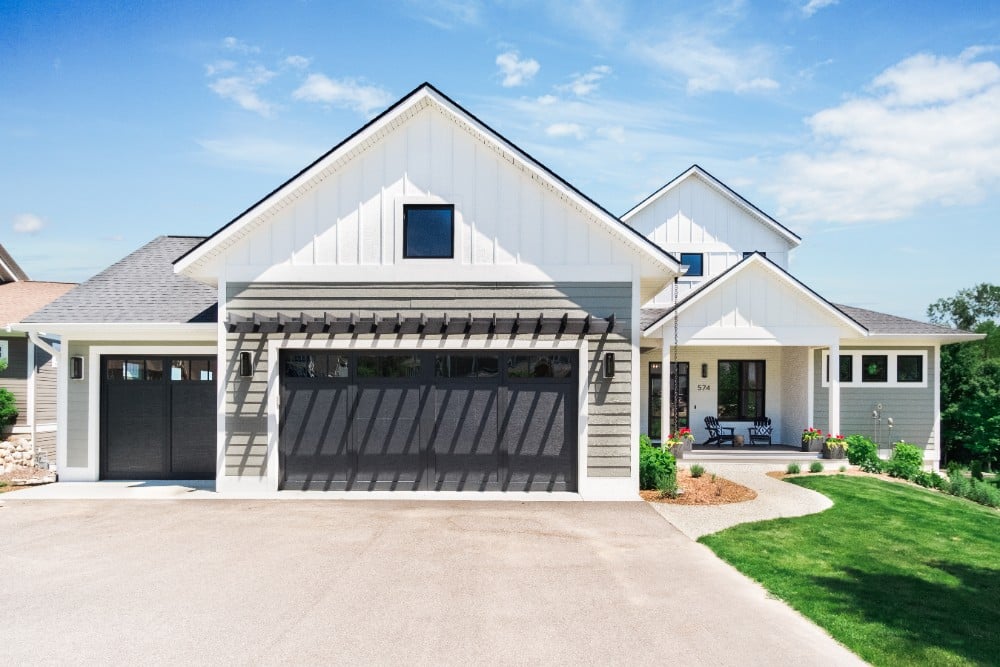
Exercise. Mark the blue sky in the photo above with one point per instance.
(872, 129)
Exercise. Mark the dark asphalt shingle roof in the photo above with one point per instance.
(882, 323)
(142, 287)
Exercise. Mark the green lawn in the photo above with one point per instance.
(901, 575)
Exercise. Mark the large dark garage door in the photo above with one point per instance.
(158, 417)
(467, 421)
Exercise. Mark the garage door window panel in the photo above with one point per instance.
(540, 366)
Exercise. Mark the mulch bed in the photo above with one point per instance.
(703, 490)
(19, 478)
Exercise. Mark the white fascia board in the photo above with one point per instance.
(123, 331)
(753, 260)
(790, 238)
(922, 339)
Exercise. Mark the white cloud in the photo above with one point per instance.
(298, 62)
(814, 6)
(242, 89)
(927, 133)
(27, 223)
(615, 133)
(600, 20)
(219, 67)
(449, 14)
(559, 130)
(515, 70)
(708, 67)
(346, 93)
(586, 83)
(547, 100)
(239, 46)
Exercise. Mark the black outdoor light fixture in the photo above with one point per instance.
(246, 364)
(609, 364)
(76, 368)
(704, 370)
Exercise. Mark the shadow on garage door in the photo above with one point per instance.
(410, 420)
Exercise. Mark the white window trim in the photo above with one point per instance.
(892, 360)
(457, 227)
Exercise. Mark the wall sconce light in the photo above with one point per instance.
(704, 370)
(246, 364)
(76, 368)
(609, 364)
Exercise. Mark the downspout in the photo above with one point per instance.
(35, 338)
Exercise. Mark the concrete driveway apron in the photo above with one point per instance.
(379, 582)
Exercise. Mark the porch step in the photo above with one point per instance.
(750, 457)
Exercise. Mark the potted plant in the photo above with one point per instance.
(680, 442)
(812, 439)
(834, 447)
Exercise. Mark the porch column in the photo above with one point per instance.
(834, 393)
(666, 381)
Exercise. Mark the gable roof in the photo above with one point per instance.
(409, 104)
(20, 299)
(695, 171)
(142, 287)
(9, 270)
(656, 318)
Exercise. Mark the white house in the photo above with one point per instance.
(427, 308)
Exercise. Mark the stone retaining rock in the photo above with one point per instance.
(16, 451)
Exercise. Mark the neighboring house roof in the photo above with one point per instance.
(883, 324)
(653, 318)
(142, 287)
(422, 94)
(20, 299)
(9, 270)
(694, 171)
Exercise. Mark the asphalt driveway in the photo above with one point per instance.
(254, 582)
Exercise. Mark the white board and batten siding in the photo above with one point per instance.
(505, 217)
(694, 217)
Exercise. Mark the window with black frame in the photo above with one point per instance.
(741, 390)
(679, 373)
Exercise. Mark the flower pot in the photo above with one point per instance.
(685, 445)
(836, 452)
(813, 445)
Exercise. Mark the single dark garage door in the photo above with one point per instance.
(407, 420)
(158, 417)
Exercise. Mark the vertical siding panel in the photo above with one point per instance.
(304, 216)
(531, 223)
(347, 217)
(508, 222)
(326, 226)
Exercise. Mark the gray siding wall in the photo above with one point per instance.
(14, 378)
(911, 408)
(78, 393)
(609, 402)
(45, 388)
(45, 446)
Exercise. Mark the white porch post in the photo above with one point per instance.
(834, 393)
(665, 382)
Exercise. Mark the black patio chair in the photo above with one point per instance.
(718, 435)
(761, 430)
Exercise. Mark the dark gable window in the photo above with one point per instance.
(909, 368)
(741, 390)
(874, 368)
(695, 263)
(846, 368)
(429, 230)
(747, 254)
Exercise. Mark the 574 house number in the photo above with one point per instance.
(703, 387)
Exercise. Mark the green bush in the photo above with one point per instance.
(697, 470)
(861, 450)
(8, 409)
(657, 469)
(644, 440)
(958, 484)
(938, 482)
(984, 494)
(793, 469)
(905, 462)
(922, 478)
(815, 466)
(976, 468)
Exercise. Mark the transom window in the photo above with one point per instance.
(429, 231)
(695, 261)
(741, 390)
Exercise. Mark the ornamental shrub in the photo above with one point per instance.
(815, 466)
(861, 450)
(793, 469)
(958, 484)
(905, 462)
(697, 470)
(657, 469)
(984, 494)
(8, 409)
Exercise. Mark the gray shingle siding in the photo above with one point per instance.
(609, 402)
(142, 287)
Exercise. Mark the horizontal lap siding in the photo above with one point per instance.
(911, 408)
(609, 402)
(14, 379)
(45, 388)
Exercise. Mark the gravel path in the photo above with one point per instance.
(774, 499)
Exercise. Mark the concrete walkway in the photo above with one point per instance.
(774, 499)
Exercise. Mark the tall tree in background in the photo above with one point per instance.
(970, 375)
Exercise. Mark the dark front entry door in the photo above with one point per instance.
(158, 417)
(471, 421)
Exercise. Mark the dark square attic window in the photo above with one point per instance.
(428, 231)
